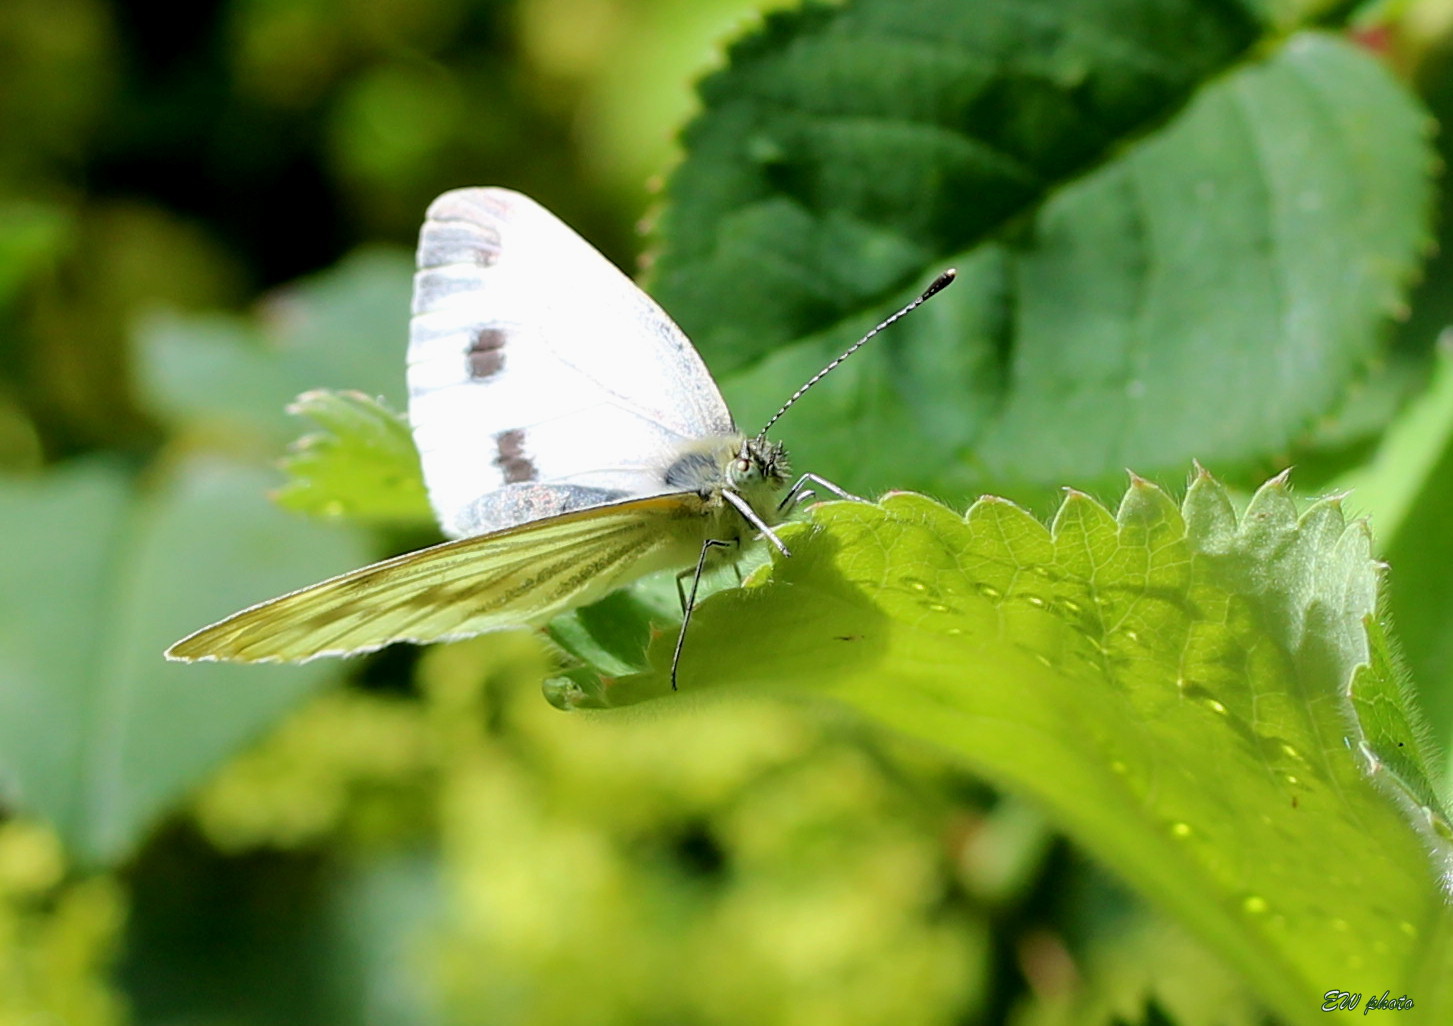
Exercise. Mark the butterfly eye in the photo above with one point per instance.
(744, 465)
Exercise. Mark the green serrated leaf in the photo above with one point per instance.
(98, 733)
(1396, 742)
(362, 466)
(1141, 199)
(1172, 683)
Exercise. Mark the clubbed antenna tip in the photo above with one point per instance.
(940, 283)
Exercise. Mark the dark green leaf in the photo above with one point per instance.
(1170, 243)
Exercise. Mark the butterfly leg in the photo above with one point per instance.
(796, 494)
(689, 605)
(715, 543)
(743, 507)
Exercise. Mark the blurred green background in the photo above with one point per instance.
(195, 158)
(206, 209)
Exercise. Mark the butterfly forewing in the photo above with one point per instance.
(533, 360)
(458, 589)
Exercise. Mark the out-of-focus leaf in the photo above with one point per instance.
(345, 328)
(98, 733)
(1171, 243)
(1173, 684)
(32, 236)
(61, 65)
(1112, 961)
(214, 369)
(361, 467)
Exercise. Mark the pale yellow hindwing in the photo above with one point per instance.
(509, 578)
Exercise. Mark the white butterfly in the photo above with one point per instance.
(572, 441)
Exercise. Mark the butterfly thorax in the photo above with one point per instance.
(753, 468)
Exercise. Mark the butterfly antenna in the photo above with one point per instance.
(940, 283)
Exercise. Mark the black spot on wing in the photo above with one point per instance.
(486, 353)
(511, 460)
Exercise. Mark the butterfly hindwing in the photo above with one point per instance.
(532, 359)
(522, 575)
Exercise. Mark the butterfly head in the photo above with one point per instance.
(758, 464)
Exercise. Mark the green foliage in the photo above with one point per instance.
(1103, 176)
(343, 764)
(1407, 488)
(33, 236)
(1102, 665)
(56, 936)
(1138, 968)
(788, 867)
